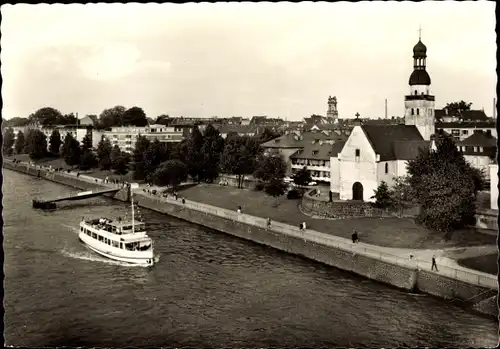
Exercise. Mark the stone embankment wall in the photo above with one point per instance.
(348, 209)
(310, 244)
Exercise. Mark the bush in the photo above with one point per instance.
(294, 194)
(259, 186)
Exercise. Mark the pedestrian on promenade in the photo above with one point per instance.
(434, 265)
(304, 226)
(239, 209)
(268, 223)
(183, 200)
(355, 237)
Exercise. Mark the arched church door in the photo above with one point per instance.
(357, 191)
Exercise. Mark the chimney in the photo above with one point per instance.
(386, 108)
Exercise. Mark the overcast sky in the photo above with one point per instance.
(280, 60)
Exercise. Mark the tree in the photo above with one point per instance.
(270, 167)
(111, 117)
(401, 193)
(456, 108)
(163, 119)
(104, 149)
(237, 158)
(193, 156)
(19, 146)
(115, 156)
(442, 183)
(155, 154)
(134, 116)
(36, 144)
(121, 164)
(267, 135)
(88, 160)
(211, 150)
(383, 196)
(302, 177)
(55, 142)
(47, 116)
(141, 147)
(87, 141)
(70, 150)
(8, 140)
(171, 173)
(275, 188)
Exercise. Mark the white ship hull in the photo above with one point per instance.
(143, 258)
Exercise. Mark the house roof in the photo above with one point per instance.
(465, 124)
(225, 129)
(476, 115)
(314, 151)
(293, 140)
(383, 137)
(480, 138)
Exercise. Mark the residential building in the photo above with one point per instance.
(316, 158)
(241, 130)
(126, 136)
(460, 130)
(291, 142)
(88, 120)
(479, 150)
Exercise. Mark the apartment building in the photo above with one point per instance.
(126, 136)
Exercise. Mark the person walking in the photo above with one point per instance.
(434, 265)
(268, 223)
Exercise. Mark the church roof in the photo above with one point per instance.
(383, 138)
(409, 150)
(419, 50)
(420, 77)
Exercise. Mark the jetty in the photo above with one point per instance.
(50, 204)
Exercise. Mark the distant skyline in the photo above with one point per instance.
(243, 59)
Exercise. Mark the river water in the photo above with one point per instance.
(207, 289)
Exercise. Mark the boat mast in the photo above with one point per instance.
(132, 201)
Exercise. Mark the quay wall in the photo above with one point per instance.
(310, 244)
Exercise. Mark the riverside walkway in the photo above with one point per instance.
(400, 256)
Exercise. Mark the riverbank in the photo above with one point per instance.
(460, 285)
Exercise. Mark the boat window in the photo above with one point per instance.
(100, 238)
(81, 228)
(87, 231)
(94, 235)
(115, 243)
(121, 245)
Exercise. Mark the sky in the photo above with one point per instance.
(243, 59)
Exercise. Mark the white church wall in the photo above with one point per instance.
(392, 171)
(362, 168)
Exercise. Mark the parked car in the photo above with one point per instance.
(311, 184)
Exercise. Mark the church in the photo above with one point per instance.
(376, 153)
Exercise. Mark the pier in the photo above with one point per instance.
(51, 203)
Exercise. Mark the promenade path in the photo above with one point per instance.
(421, 258)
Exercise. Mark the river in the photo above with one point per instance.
(207, 289)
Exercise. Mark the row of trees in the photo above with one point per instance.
(441, 182)
(116, 116)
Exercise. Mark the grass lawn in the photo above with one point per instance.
(486, 263)
(388, 232)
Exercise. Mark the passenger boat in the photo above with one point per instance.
(122, 240)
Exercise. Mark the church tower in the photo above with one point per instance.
(332, 114)
(419, 104)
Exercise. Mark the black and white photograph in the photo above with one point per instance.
(250, 175)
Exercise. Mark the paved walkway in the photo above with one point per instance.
(422, 258)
